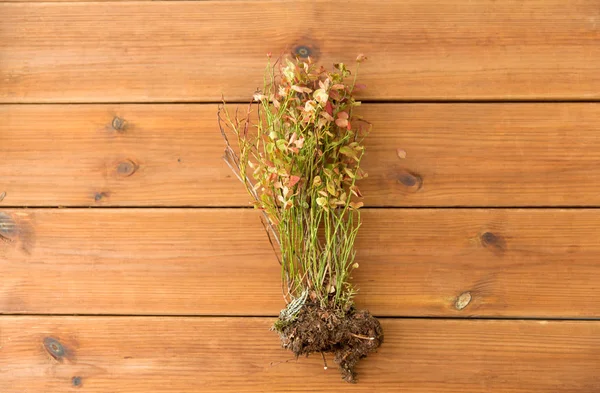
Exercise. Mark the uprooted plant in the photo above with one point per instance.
(298, 156)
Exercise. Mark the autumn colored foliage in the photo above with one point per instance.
(298, 149)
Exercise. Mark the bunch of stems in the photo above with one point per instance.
(298, 150)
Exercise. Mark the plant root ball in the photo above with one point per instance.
(350, 335)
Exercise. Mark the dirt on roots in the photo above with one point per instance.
(315, 329)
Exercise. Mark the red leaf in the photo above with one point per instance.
(294, 180)
(329, 108)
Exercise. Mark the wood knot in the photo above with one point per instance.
(17, 230)
(119, 124)
(302, 51)
(126, 168)
(493, 242)
(54, 348)
(76, 381)
(8, 227)
(100, 196)
(410, 180)
(305, 48)
(462, 301)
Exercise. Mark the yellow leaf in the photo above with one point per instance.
(321, 96)
(349, 173)
(356, 205)
(331, 189)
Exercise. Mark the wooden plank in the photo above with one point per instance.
(197, 51)
(170, 155)
(413, 262)
(129, 354)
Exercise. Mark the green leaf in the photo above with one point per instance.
(281, 145)
(348, 151)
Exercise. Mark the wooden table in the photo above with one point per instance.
(128, 262)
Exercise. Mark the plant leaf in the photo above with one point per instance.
(294, 180)
(322, 201)
(321, 96)
(301, 89)
(361, 57)
(348, 151)
(341, 122)
(331, 189)
(356, 205)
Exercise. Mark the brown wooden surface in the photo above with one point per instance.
(131, 354)
(197, 51)
(149, 146)
(170, 155)
(508, 262)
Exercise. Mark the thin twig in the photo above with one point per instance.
(324, 361)
(362, 337)
(262, 220)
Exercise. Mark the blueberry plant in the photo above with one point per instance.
(298, 149)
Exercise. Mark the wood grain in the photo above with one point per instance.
(128, 354)
(168, 51)
(413, 262)
(170, 155)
